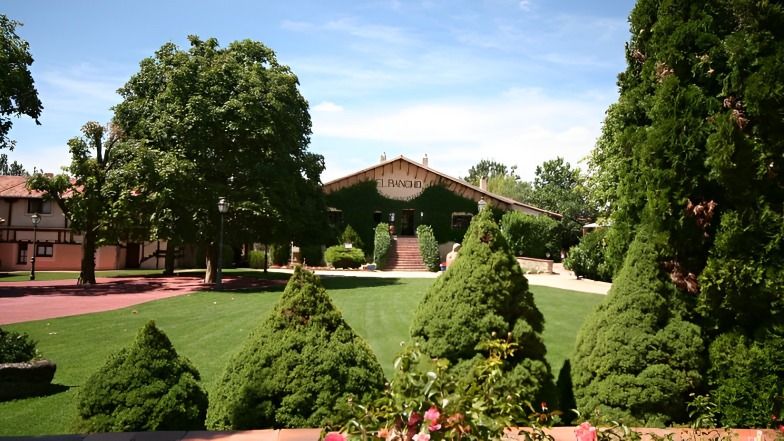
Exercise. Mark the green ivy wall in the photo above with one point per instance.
(433, 207)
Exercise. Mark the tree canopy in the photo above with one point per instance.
(488, 168)
(18, 95)
(235, 119)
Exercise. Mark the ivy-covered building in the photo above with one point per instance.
(405, 193)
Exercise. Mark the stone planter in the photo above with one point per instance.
(18, 380)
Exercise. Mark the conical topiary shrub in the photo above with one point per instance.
(144, 387)
(298, 367)
(483, 292)
(637, 358)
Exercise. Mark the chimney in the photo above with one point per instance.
(483, 183)
(383, 157)
(424, 160)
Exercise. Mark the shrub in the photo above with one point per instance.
(351, 236)
(746, 378)
(144, 387)
(280, 253)
(16, 347)
(637, 358)
(483, 292)
(587, 258)
(531, 236)
(256, 259)
(428, 247)
(298, 367)
(341, 257)
(381, 244)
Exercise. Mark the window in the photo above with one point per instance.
(39, 206)
(44, 250)
(460, 221)
(376, 217)
(335, 217)
(21, 255)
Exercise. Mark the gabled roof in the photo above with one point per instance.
(454, 184)
(15, 187)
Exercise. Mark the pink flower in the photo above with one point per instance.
(414, 419)
(421, 437)
(585, 432)
(432, 415)
(334, 436)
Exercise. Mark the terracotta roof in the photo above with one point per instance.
(486, 193)
(14, 187)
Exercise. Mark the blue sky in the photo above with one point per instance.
(519, 82)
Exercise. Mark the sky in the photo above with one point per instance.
(514, 81)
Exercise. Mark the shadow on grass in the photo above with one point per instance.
(38, 391)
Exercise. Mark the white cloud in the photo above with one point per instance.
(327, 106)
(525, 5)
(523, 127)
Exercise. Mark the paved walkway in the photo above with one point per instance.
(38, 300)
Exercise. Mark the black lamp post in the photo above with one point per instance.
(482, 203)
(223, 207)
(35, 218)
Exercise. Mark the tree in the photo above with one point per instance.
(12, 169)
(298, 368)
(234, 116)
(484, 292)
(18, 95)
(92, 205)
(512, 187)
(488, 168)
(695, 134)
(638, 357)
(144, 387)
(531, 236)
(560, 188)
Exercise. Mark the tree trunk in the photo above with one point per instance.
(171, 251)
(87, 274)
(212, 262)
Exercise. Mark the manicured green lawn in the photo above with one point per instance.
(208, 327)
(23, 276)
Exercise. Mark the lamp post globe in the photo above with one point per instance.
(35, 219)
(223, 208)
(481, 204)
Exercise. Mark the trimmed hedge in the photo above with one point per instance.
(587, 258)
(298, 368)
(638, 357)
(531, 236)
(16, 347)
(341, 257)
(484, 293)
(381, 244)
(145, 387)
(428, 247)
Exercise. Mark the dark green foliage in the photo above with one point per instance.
(531, 236)
(145, 387)
(312, 255)
(746, 378)
(587, 259)
(339, 256)
(280, 253)
(18, 95)
(381, 243)
(428, 247)
(350, 236)
(436, 204)
(16, 347)
(489, 169)
(298, 367)
(483, 292)
(256, 259)
(566, 402)
(637, 357)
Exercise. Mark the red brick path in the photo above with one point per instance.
(37, 300)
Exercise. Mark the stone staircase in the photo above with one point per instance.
(404, 255)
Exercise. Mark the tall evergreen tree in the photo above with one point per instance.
(697, 134)
(298, 368)
(483, 292)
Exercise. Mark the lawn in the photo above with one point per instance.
(208, 327)
(23, 276)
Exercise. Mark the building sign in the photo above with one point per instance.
(399, 185)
